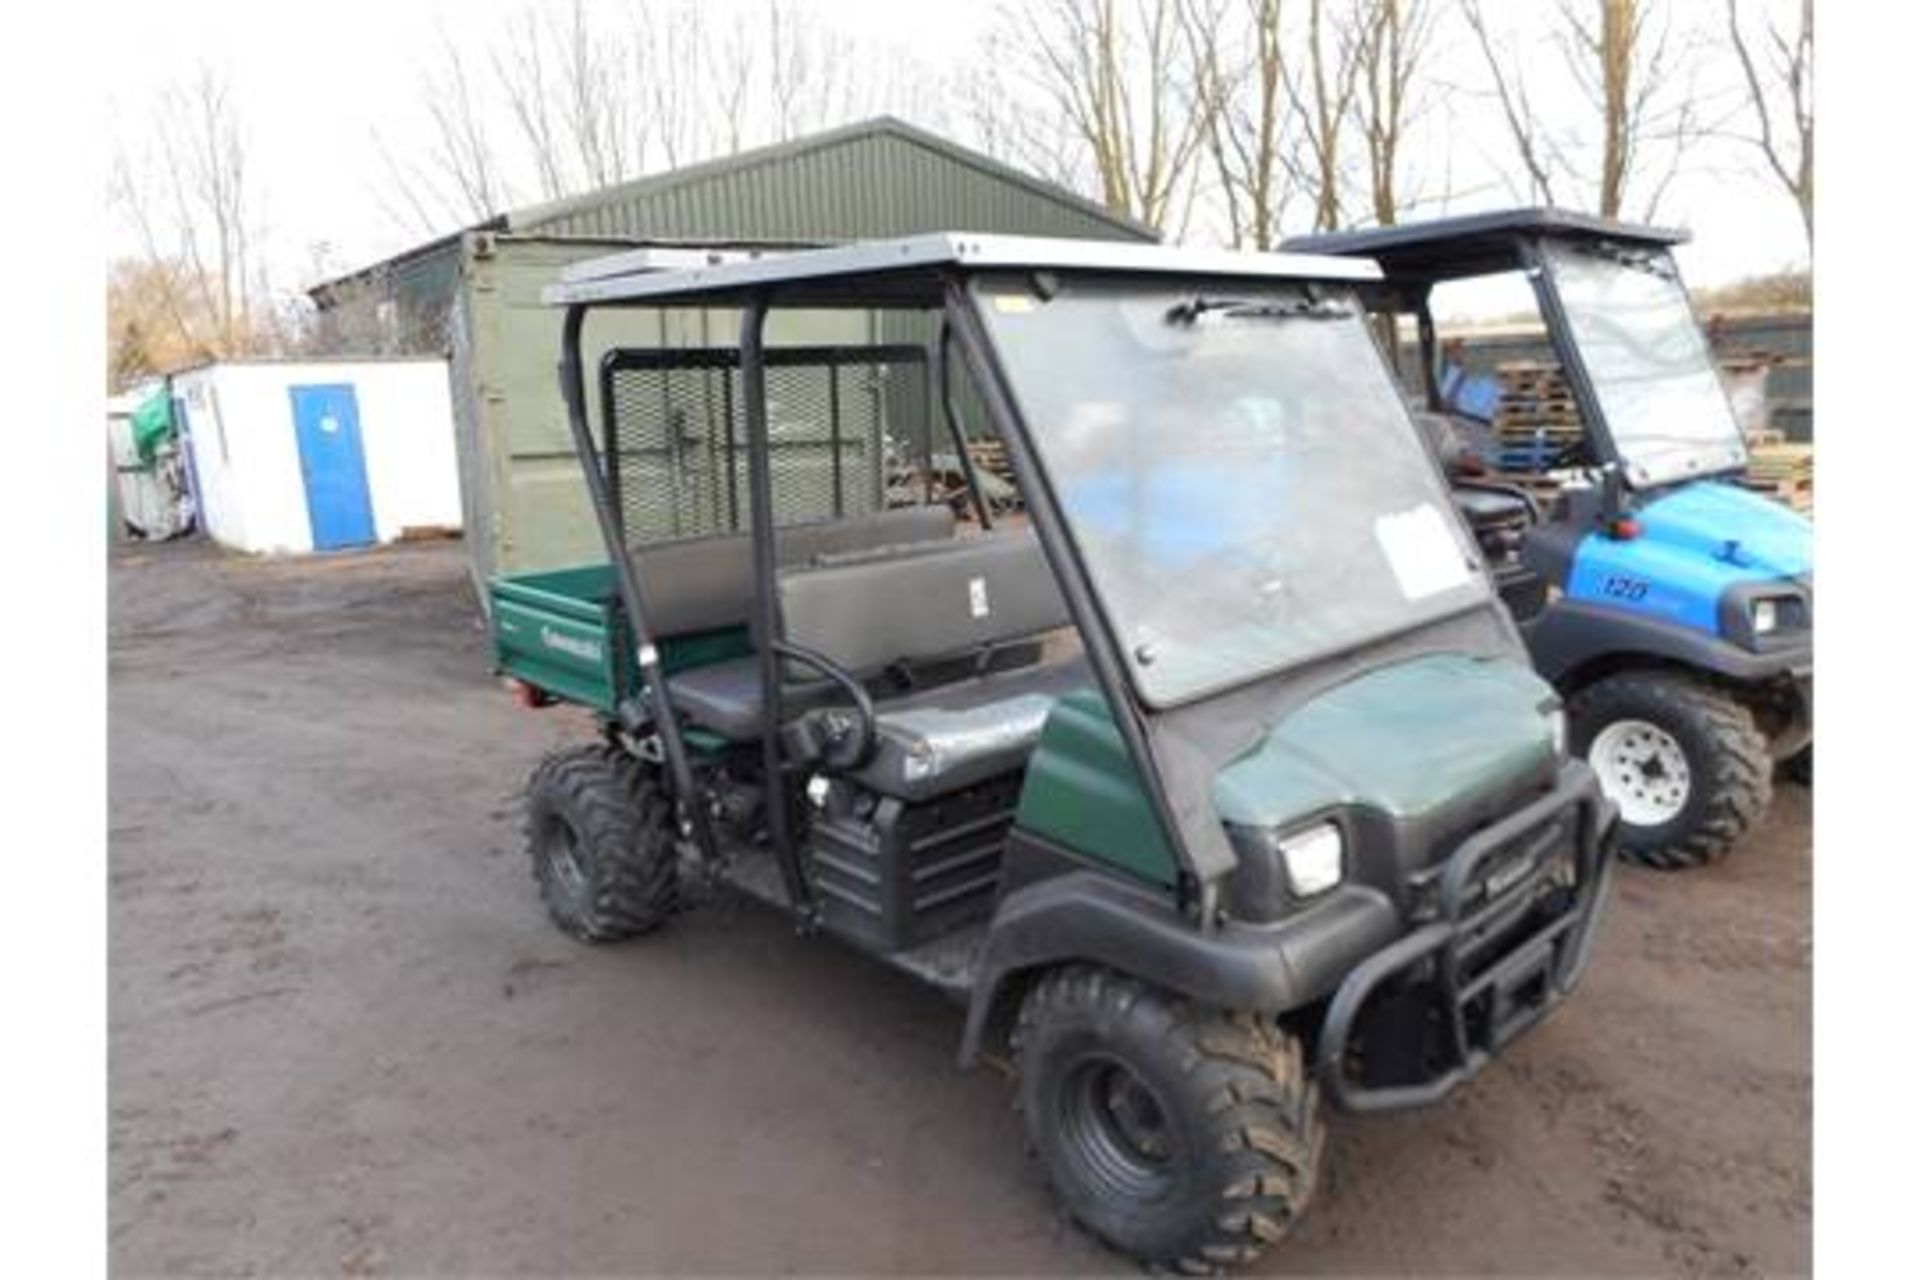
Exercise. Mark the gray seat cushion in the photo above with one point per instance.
(722, 696)
(920, 603)
(937, 742)
(725, 697)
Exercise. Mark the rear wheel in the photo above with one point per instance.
(1187, 1137)
(1684, 761)
(600, 833)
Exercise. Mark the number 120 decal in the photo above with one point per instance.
(1623, 588)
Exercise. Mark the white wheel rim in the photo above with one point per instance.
(1643, 769)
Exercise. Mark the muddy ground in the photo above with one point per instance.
(344, 1039)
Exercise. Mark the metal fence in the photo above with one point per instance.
(841, 420)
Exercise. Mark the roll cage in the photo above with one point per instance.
(1416, 257)
(925, 274)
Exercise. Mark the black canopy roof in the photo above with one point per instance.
(1474, 244)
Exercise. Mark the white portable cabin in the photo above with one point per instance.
(320, 455)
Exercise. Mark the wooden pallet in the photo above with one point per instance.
(1784, 472)
(1536, 414)
(991, 455)
(1525, 425)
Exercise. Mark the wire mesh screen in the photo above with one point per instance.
(844, 424)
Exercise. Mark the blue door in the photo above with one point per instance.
(326, 421)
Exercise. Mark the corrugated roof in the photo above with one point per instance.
(656, 190)
(876, 178)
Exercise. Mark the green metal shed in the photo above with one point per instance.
(474, 295)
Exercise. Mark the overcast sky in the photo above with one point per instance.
(318, 84)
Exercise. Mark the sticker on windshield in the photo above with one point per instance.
(1421, 551)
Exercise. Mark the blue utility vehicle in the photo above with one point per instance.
(1671, 607)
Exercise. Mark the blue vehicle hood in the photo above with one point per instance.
(1751, 536)
(1695, 542)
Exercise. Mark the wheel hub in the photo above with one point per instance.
(1117, 1127)
(1643, 769)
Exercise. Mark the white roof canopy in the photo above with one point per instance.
(917, 264)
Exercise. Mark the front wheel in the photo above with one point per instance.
(1184, 1136)
(1685, 763)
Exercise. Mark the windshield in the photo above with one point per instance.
(1649, 362)
(1243, 482)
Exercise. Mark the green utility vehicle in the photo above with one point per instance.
(1219, 784)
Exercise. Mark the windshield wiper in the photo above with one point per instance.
(1271, 309)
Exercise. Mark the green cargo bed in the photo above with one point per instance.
(563, 632)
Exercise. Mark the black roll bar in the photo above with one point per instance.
(693, 815)
(753, 398)
(944, 387)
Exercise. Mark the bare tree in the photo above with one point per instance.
(570, 89)
(1639, 71)
(998, 118)
(146, 331)
(189, 197)
(458, 178)
(1785, 63)
(1523, 122)
(1395, 36)
(1637, 68)
(1246, 99)
(1603, 59)
(732, 62)
(1125, 79)
(809, 65)
(665, 49)
(1322, 105)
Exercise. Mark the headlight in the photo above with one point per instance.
(1766, 617)
(1313, 859)
(1557, 727)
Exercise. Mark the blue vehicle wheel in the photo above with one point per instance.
(1799, 766)
(1683, 760)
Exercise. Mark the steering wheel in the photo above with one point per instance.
(849, 750)
(1567, 455)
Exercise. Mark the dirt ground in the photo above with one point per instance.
(344, 1039)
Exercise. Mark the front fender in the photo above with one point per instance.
(1083, 915)
(1569, 634)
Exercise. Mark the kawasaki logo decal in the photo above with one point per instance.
(586, 649)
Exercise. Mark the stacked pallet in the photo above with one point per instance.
(991, 457)
(1783, 472)
(1536, 419)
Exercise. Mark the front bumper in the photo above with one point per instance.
(1509, 924)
